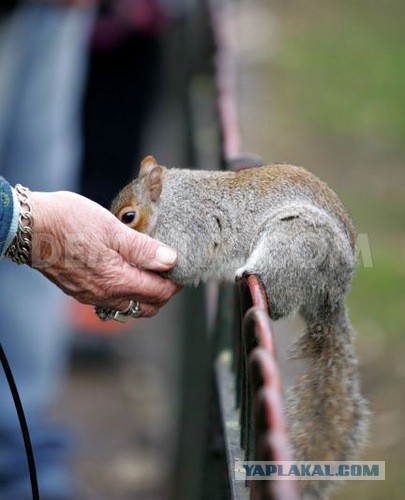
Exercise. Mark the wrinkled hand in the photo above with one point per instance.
(92, 256)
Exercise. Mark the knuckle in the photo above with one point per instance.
(159, 292)
(162, 291)
(107, 294)
(164, 295)
(100, 293)
(150, 311)
(169, 290)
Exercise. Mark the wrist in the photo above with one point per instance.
(39, 203)
(19, 249)
(44, 237)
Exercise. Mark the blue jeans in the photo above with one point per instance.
(43, 54)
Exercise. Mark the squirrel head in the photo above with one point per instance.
(135, 205)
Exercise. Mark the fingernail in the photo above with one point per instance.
(166, 255)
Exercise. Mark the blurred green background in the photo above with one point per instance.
(325, 88)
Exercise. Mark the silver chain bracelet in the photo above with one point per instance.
(20, 249)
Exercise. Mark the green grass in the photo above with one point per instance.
(340, 73)
(377, 300)
(346, 72)
(384, 216)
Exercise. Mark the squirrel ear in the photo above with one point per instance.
(147, 164)
(154, 182)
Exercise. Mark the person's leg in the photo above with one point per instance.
(121, 91)
(45, 49)
(51, 45)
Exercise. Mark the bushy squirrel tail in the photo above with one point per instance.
(328, 417)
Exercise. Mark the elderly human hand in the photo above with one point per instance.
(96, 259)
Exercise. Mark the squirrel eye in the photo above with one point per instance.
(128, 217)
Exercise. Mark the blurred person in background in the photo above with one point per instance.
(123, 80)
(43, 55)
(44, 48)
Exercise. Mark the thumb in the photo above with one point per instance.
(143, 251)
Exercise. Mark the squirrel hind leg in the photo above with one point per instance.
(280, 265)
(280, 306)
(300, 260)
(267, 262)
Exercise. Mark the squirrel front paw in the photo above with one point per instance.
(242, 272)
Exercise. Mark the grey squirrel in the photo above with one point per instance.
(289, 228)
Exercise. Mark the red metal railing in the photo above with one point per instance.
(259, 398)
